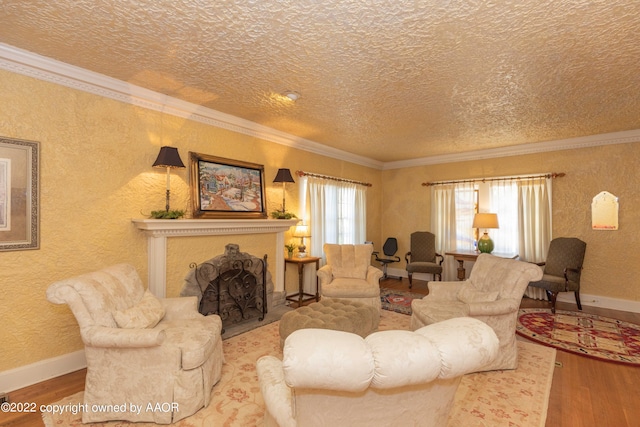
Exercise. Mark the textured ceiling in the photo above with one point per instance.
(388, 80)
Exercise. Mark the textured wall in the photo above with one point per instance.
(95, 176)
(612, 259)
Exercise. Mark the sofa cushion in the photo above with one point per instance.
(195, 337)
(468, 294)
(145, 314)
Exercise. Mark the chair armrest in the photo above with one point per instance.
(180, 308)
(494, 308)
(576, 274)
(275, 391)
(373, 275)
(325, 274)
(407, 257)
(101, 336)
(441, 258)
(444, 290)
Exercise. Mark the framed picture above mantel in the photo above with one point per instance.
(19, 194)
(226, 188)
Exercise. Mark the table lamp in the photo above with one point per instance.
(301, 231)
(168, 157)
(283, 176)
(485, 220)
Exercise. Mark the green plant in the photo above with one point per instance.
(167, 214)
(291, 247)
(282, 215)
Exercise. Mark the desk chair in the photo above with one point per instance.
(389, 249)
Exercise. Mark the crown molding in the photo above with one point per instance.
(30, 64)
(519, 150)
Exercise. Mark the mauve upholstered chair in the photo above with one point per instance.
(562, 269)
(423, 258)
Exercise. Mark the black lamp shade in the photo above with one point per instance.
(168, 157)
(283, 175)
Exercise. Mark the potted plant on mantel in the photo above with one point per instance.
(167, 214)
(282, 215)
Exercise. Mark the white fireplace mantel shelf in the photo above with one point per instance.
(158, 230)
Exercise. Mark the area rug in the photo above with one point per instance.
(588, 335)
(398, 301)
(501, 398)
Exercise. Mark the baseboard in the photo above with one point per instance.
(43, 370)
(601, 302)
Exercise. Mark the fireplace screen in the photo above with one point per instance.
(232, 286)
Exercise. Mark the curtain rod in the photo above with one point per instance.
(507, 178)
(333, 178)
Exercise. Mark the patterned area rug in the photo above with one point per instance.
(500, 398)
(398, 301)
(584, 334)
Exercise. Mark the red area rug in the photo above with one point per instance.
(398, 301)
(584, 334)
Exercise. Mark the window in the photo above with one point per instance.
(523, 206)
(337, 212)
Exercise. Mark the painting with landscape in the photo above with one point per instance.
(225, 188)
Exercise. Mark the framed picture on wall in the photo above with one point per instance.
(19, 195)
(225, 188)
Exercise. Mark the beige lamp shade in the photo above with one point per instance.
(485, 220)
(301, 231)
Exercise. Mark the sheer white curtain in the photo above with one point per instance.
(503, 196)
(534, 213)
(452, 208)
(338, 213)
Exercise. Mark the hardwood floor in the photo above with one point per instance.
(584, 393)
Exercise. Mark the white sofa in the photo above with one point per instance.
(141, 350)
(390, 378)
(492, 293)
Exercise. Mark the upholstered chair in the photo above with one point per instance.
(423, 258)
(562, 269)
(492, 294)
(141, 350)
(349, 275)
(335, 378)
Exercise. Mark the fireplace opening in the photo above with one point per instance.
(235, 286)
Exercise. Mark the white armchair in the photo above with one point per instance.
(140, 349)
(492, 293)
(349, 275)
(335, 378)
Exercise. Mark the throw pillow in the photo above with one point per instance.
(146, 314)
(469, 295)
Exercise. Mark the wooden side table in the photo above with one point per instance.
(462, 256)
(301, 296)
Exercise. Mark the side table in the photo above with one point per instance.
(301, 296)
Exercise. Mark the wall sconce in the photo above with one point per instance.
(301, 231)
(283, 176)
(485, 220)
(168, 157)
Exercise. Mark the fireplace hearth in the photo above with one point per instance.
(236, 286)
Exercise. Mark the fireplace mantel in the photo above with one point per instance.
(158, 230)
